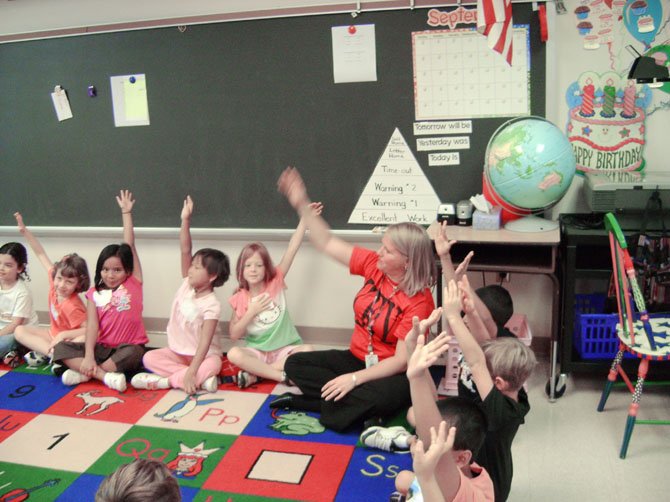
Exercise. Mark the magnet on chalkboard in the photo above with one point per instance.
(92, 91)
(352, 30)
(132, 80)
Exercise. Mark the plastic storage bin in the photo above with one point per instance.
(449, 384)
(594, 334)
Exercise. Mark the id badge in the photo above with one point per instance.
(371, 360)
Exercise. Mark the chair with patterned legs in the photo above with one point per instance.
(647, 338)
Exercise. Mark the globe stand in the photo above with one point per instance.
(531, 223)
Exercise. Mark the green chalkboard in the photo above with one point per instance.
(231, 104)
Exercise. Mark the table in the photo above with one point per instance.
(509, 251)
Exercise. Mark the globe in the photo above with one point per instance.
(528, 168)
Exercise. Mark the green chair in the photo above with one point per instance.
(647, 338)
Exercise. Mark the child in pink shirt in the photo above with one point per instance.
(192, 359)
(115, 334)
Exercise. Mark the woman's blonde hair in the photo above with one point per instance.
(510, 360)
(412, 241)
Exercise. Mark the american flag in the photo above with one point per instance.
(494, 19)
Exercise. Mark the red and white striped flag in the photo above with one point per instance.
(494, 19)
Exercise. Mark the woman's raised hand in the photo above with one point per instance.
(290, 183)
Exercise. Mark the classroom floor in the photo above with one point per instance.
(59, 442)
(568, 451)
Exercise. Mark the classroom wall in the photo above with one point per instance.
(320, 291)
(568, 60)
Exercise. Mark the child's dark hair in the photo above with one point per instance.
(499, 302)
(469, 420)
(245, 254)
(17, 251)
(73, 265)
(216, 263)
(123, 252)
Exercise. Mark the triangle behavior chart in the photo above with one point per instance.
(397, 191)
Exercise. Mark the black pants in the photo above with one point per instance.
(310, 371)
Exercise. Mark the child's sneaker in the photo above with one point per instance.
(12, 359)
(72, 377)
(34, 359)
(115, 381)
(58, 369)
(394, 439)
(245, 379)
(211, 384)
(149, 381)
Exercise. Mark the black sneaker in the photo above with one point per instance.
(58, 369)
(245, 379)
(284, 401)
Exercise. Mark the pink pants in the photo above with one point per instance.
(166, 363)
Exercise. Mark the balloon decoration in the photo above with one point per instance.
(643, 18)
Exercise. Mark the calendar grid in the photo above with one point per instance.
(457, 76)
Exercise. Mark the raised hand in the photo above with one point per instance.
(467, 301)
(290, 183)
(316, 207)
(125, 201)
(442, 242)
(462, 268)
(441, 442)
(426, 354)
(451, 300)
(187, 209)
(19, 222)
(419, 327)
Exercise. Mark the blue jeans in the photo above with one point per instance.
(7, 343)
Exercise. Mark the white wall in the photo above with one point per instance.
(320, 291)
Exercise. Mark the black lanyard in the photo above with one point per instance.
(373, 316)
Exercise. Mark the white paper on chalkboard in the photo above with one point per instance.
(61, 104)
(354, 53)
(397, 191)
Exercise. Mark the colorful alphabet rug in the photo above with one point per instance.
(59, 442)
